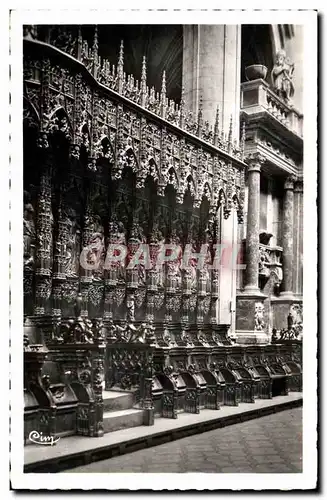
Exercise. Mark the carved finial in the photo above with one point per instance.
(95, 39)
(163, 85)
(121, 54)
(143, 88)
(200, 117)
(143, 74)
(230, 133)
(182, 109)
(216, 129)
(120, 67)
(79, 43)
(95, 50)
(243, 140)
(163, 96)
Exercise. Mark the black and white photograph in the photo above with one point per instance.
(163, 270)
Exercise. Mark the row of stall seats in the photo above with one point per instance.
(192, 391)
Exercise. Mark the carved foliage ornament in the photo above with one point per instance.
(255, 161)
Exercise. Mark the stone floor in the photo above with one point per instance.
(270, 444)
(79, 451)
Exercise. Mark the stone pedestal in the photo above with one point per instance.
(211, 69)
(251, 319)
(280, 307)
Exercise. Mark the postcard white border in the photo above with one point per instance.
(307, 479)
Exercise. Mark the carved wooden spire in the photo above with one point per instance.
(216, 129)
(95, 52)
(163, 95)
(120, 68)
(182, 109)
(143, 88)
(200, 117)
(143, 74)
(79, 43)
(230, 134)
(243, 140)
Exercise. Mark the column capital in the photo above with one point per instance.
(298, 187)
(289, 182)
(255, 161)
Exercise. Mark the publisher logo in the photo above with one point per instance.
(39, 438)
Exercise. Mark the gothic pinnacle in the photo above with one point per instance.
(230, 133)
(200, 117)
(143, 87)
(143, 74)
(95, 39)
(121, 54)
(163, 85)
(95, 50)
(120, 68)
(243, 140)
(216, 128)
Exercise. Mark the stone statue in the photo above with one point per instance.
(281, 76)
(97, 254)
(70, 259)
(130, 304)
(259, 323)
(263, 261)
(289, 321)
(29, 236)
(78, 305)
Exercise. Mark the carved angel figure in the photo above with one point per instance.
(259, 323)
(281, 76)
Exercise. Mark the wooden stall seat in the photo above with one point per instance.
(232, 393)
(265, 382)
(214, 387)
(193, 392)
(171, 393)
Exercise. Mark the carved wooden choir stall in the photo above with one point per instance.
(108, 161)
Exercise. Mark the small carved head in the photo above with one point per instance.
(280, 57)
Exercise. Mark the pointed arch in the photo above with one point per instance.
(152, 169)
(236, 201)
(105, 149)
(191, 186)
(222, 198)
(207, 191)
(31, 117)
(238, 207)
(129, 159)
(59, 122)
(172, 178)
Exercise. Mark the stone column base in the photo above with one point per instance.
(251, 318)
(251, 337)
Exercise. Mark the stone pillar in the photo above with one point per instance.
(253, 224)
(292, 250)
(211, 69)
(288, 228)
(251, 324)
(298, 239)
